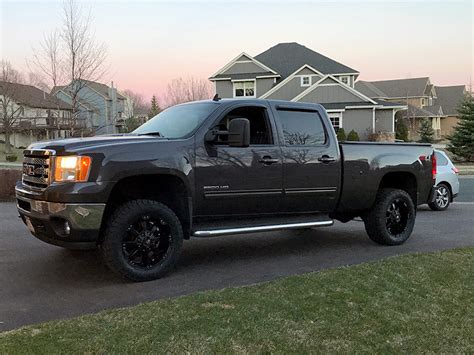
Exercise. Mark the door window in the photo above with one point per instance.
(441, 159)
(260, 130)
(301, 127)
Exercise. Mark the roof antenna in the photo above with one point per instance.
(216, 97)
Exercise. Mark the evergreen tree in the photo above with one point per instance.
(426, 131)
(401, 131)
(341, 134)
(353, 136)
(461, 142)
(155, 107)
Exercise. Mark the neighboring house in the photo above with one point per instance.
(100, 107)
(32, 114)
(424, 100)
(290, 71)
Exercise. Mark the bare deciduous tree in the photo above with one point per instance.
(71, 55)
(184, 90)
(10, 111)
(135, 103)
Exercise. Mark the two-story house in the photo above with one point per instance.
(424, 101)
(290, 71)
(31, 114)
(100, 107)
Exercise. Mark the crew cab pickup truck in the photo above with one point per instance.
(212, 168)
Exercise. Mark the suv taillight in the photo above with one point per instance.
(455, 170)
(433, 166)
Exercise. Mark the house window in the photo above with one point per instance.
(423, 102)
(430, 101)
(306, 81)
(244, 89)
(335, 120)
(344, 80)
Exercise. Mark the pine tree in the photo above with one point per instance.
(155, 107)
(341, 135)
(353, 136)
(461, 142)
(401, 131)
(426, 131)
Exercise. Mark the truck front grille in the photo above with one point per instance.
(37, 168)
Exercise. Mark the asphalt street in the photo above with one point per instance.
(40, 282)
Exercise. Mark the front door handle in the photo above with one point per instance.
(326, 159)
(267, 160)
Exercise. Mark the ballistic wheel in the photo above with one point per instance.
(392, 218)
(142, 240)
(442, 198)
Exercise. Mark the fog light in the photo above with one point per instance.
(67, 228)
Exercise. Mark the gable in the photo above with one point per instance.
(306, 70)
(333, 93)
(243, 64)
(243, 68)
(329, 80)
(290, 89)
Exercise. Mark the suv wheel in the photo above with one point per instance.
(392, 218)
(142, 240)
(442, 199)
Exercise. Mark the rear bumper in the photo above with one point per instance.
(70, 225)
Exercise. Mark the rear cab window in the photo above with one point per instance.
(301, 128)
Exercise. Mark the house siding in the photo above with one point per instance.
(328, 94)
(359, 120)
(244, 68)
(383, 120)
(263, 85)
(288, 91)
(224, 88)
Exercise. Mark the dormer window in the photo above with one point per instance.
(344, 80)
(306, 80)
(244, 88)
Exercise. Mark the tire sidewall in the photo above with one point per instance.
(375, 221)
(434, 205)
(116, 231)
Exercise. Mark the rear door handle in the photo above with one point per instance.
(266, 160)
(326, 159)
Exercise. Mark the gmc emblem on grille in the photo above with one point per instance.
(29, 169)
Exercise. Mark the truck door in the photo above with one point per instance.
(235, 180)
(311, 162)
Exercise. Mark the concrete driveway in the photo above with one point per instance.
(39, 282)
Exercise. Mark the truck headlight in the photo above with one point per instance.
(72, 168)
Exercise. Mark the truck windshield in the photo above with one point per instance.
(177, 121)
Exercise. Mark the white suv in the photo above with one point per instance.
(447, 182)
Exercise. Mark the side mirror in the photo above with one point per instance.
(239, 132)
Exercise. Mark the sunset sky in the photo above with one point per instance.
(151, 42)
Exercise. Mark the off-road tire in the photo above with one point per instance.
(437, 205)
(117, 231)
(376, 220)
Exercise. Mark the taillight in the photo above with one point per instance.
(433, 166)
(455, 170)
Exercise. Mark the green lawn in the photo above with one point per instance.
(410, 304)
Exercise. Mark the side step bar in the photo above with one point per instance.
(273, 227)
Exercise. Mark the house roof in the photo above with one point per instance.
(31, 96)
(427, 111)
(394, 88)
(285, 58)
(242, 76)
(99, 87)
(448, 97)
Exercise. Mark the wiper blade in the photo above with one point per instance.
(156, 133)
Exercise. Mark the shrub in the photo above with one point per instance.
(401, 130)
(341, 134)
(426, 131)
(11, 157)
(353, 136)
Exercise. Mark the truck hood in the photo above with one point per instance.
(79, 144)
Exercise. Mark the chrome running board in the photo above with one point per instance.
(267, 228)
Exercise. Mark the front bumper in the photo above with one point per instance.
(47, 221)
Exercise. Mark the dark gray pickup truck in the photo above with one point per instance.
(213, 168)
